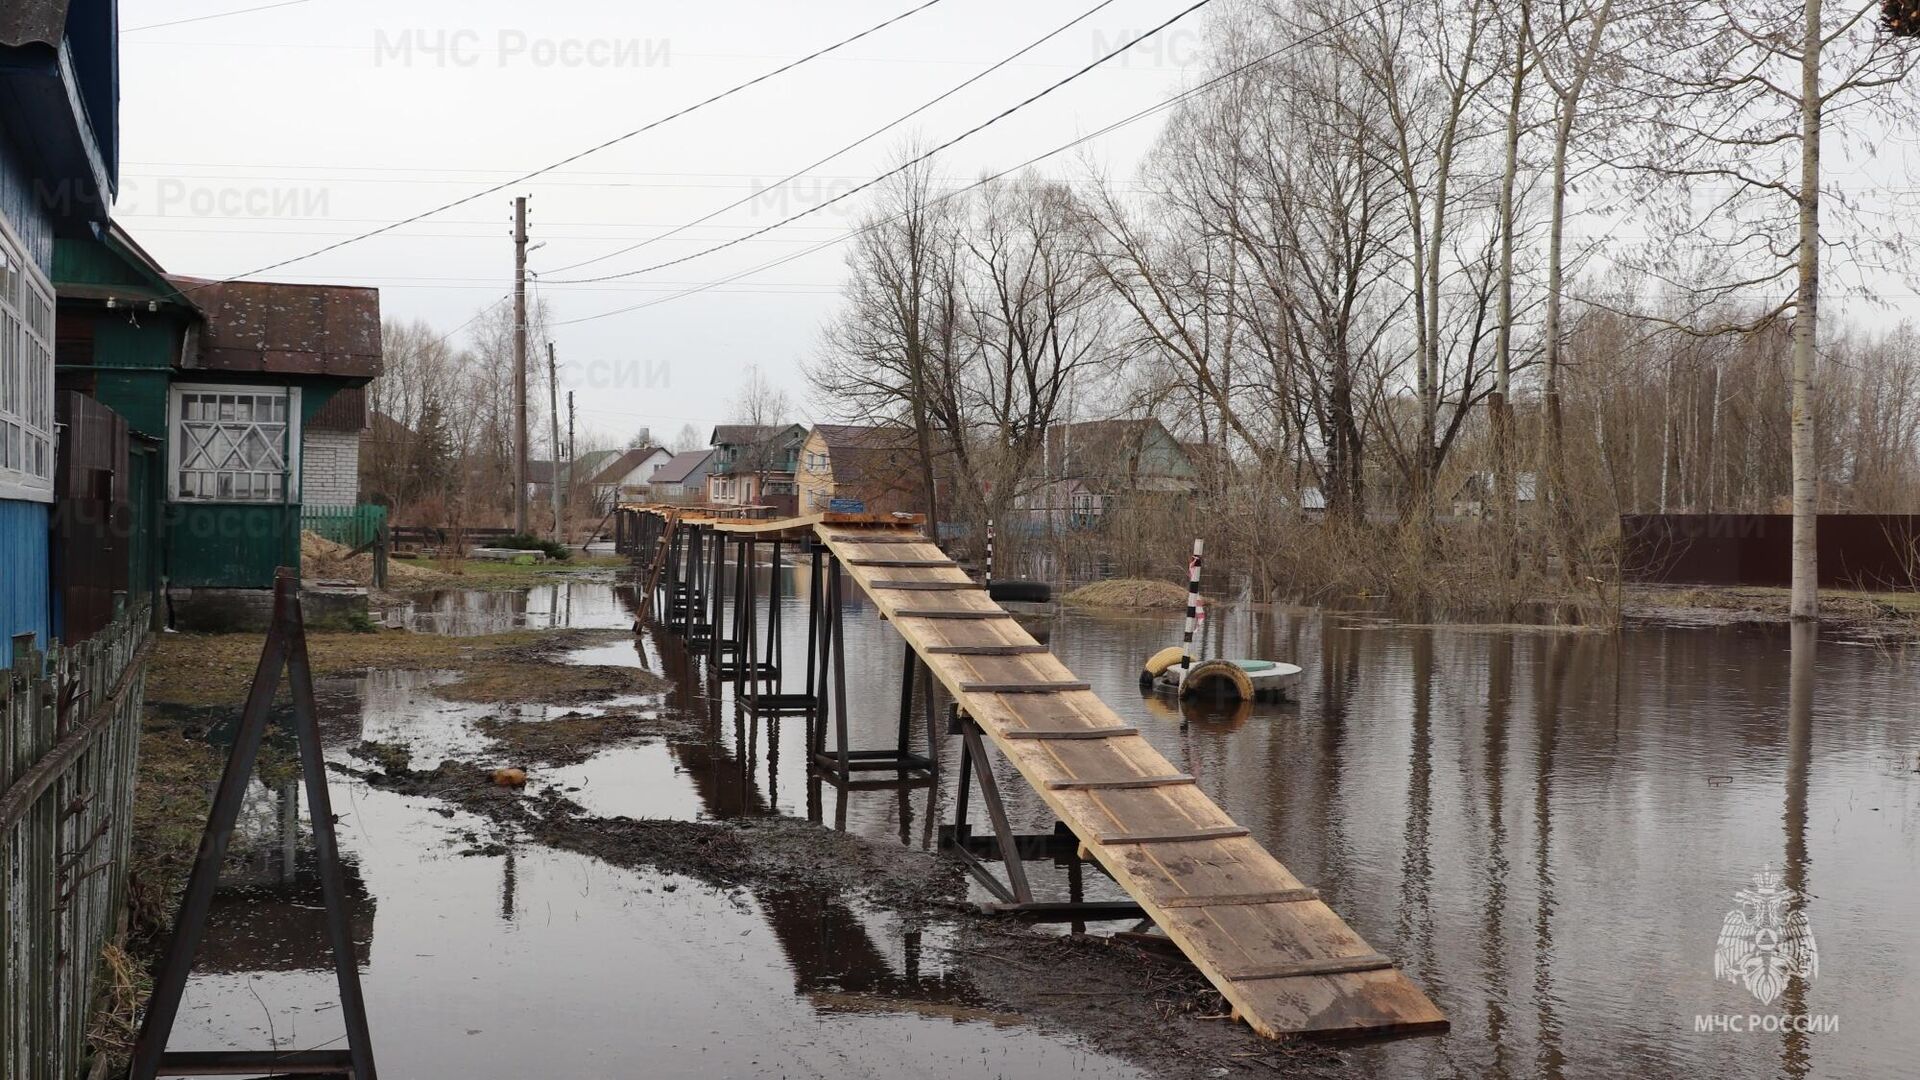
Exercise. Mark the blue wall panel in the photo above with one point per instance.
(23, 574)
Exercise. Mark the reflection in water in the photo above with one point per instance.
(1796, 1055)
(1543, 827)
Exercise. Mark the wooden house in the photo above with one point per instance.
(224, 384)
(848, 468)
(59, 154)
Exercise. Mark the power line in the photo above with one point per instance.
(570, 159)
(1142, 114)
(862, 140)
(214, 15)
(903, 166)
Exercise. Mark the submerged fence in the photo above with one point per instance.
(69, 735)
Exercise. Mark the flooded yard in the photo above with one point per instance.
(1546, 829)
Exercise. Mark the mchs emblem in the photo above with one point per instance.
(1766, 939)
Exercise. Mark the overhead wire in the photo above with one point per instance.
(571, 158)
(855, 144)
(910, 163)
(1158, 107)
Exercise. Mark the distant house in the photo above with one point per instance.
(683, 479)
(59, 170)
(1475, 497)
(755, 465)
(860, 469)
(628, 477)
(1094, 466)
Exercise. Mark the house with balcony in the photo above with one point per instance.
(59, 169)
(755, 465)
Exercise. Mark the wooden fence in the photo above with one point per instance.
(69, 736)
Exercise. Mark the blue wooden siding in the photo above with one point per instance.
(23, 200)
(23, 574)
(24, 570)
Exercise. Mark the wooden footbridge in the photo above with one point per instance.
(1281, 957)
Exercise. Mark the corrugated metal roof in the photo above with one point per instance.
(285, 328)
(29, 22)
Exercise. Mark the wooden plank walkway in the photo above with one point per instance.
(1282, 958)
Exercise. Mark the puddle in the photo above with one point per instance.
(582, 605)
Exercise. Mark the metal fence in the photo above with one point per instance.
(69, 735)
(353, 526)
(1856, 551)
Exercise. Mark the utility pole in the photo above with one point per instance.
(553, 434)
(520, 365)
(570, 450)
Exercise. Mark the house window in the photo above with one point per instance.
(723, 489)
(816, 462)
(1086, 507)
(26, 377)
(235, 444)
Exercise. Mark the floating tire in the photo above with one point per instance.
(1158, 663)
(1025, 592)
(1217, 680)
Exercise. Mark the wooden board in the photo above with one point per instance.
(1302, 970)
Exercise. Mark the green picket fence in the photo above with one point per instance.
(349, 525)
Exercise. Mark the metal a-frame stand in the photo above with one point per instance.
(286, 648)
(757, 677)
(838, 766)
(1011, 850)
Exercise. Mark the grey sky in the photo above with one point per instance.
(259, 136)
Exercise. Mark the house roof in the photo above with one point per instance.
(751, 434)
(285, 328)
(28, 22)
(886, 454)
(615, 467)
(384, 428)
(681, 466)
(1108, 450)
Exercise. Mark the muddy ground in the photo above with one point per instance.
(1150, 1008)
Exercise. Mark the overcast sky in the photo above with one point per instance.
(258, 136)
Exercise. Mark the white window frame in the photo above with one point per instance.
(28, 439)
(292, 440)
(723, 489)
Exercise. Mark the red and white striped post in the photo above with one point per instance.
(1193, 606)
(989, 553)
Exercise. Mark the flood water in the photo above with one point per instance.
(1546, 830)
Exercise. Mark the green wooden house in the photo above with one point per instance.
(218, 381)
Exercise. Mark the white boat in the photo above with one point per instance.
(1220, 679)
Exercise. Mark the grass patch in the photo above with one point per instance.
(514, 680)
(499, 574)
(217, 669)
(1139, 594)
(574, 737)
